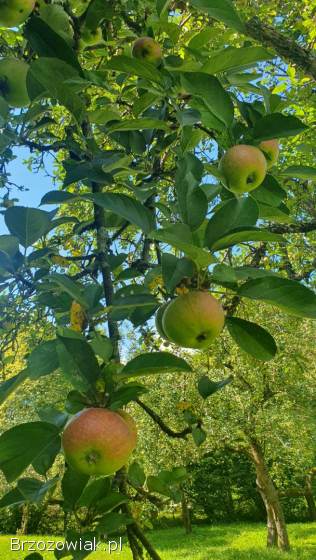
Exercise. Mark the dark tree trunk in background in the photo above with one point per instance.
(186, 514)
(277, 531)
(24, 520)
(309, 496)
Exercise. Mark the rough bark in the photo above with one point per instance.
(284, 46)
(24, 520)
(186, 514)
(309, 496)
(277, 530)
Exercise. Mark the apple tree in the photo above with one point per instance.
(166, 138)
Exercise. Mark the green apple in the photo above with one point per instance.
(98, 441)
(13, 74)
(193, 320)
(158, 320)
(243, 168)
(147, 49)
(15, 12)
(271, 150)
(90, 37)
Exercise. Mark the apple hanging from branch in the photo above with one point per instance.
(243, 168)
(15, 12)
(98, 441)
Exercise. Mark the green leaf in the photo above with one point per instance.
(207, 387)
(299, 172)
(212, 93)
(277, 125)
(236, 212)
(235, 58)
(12, 498)
(102, 346)
(47, 43)
(54, 76)
(270, 192)
(221, 10)
(135, 67)
(27, 224)
(34, 556)
(244, 235)
(9, 244)
(74, 289)
(180, 237)
(192, 200)
(95, 491)
(125, 394)
(162, 6)
(57, 197)
(199, 436)
(10, 385)
(110, 502)
(138, 124)
(83, 358)
(136, 474)
(52, 415)
(252, 338)
(73, 485)
(224, 274)
(94, 170)
(112, 522)
(22, 445)
(155, 363)
(289, 295)
(126, 207)
(34, 490)
(43, 360)
(97, 11)
(174, 270)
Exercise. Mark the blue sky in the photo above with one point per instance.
(37, 183)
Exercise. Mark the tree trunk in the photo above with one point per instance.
(186, 514)
(309, 496)
(24, 520)
(277, 531)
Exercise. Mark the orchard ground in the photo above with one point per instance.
(216, 542)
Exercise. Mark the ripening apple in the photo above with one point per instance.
(243, 168)
(13, 74)
(271, 150)
(15, 12)
(147, 49)
(158, 320)
(98, 441)
(90, 37)
(193, 320)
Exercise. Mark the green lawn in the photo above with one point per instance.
(220, 542)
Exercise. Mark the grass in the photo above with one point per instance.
(218, 542)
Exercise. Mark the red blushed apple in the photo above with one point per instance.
(98, 441)
(271, 151)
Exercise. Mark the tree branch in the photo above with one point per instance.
(304, 227)
(284, 46)
(156, 418)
